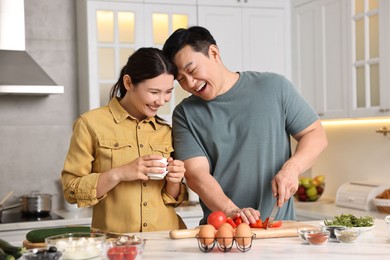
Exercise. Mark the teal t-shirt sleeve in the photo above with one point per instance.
(299, 114)
(185, 144)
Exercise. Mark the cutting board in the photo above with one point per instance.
(288, 229)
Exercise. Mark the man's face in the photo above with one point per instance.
(198, 74)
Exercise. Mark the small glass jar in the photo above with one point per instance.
(387, 221)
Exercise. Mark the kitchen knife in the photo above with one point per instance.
(271, 217)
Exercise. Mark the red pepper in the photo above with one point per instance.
(265, 223)
(258, 224)
(276, 224)
(237, 220)
(231, 222)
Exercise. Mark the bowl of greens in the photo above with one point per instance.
(363, 223)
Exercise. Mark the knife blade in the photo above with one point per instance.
(271, 217)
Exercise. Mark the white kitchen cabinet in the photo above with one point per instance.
(252, 35)
(325, 68)
(110, 31)
(320, 69)
(161, 20)
(369, 41)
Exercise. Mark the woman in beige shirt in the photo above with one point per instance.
(113, 148)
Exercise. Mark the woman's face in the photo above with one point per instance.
(147, 97)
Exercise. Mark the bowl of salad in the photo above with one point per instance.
(363, 223)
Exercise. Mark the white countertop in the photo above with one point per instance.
(371, 244)
(326, 208)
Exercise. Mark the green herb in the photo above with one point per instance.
(349, 220)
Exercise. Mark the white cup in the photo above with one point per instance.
(159, 176)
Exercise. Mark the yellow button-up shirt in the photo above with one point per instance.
(109, 137)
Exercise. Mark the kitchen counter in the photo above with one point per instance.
(14, 232)
(306, 211)
(326, 208)
(374, 243)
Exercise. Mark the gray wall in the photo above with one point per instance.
(35, 130)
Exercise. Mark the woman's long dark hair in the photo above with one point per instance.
(145, 63)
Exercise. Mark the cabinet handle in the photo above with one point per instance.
(384, 110)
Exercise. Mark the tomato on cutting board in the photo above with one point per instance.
(216, 219)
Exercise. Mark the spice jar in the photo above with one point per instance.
(318, 237)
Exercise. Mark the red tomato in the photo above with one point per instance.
(231, 222)
(238, 221)
(122, 252)
(276, 224)
(216, 219)
(258, 224)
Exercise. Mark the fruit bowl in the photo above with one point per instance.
(310, 189)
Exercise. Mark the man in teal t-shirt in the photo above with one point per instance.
(233, 132)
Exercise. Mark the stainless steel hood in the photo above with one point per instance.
(19, 73)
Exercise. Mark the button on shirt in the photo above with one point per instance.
(108, 137)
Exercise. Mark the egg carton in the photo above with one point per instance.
(225, 244)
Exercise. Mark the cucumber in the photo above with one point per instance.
(10, 250)
(4, 256)
(39, 235)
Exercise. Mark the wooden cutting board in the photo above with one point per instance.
(288, 229)
(29, 245)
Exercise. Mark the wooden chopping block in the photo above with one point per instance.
(29, 245)
(288, 229)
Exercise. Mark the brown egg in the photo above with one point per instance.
(224, 235)
(243, 235)
(206, 234)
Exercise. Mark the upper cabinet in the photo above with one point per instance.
(251, 34)
(369, 55)
(341, 55)
(110, 31)
(320, 68)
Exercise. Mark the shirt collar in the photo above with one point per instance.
(120, 114)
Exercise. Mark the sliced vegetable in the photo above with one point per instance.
(275, 224)
(238, 221)
(231, 222)
(258, 224)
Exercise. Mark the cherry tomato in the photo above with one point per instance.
(216, 219)
(238, 221)
(231, 222)
(122, 252)
(276, 224)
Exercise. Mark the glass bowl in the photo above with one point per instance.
(317, 237)
(130, 250)
(302, 231)
(387, 221)
(332, 229)
(78, 246)
(348, 235)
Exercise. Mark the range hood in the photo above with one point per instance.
(19, 73)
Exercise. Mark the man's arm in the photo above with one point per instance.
(200, 180)
(312, 141)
